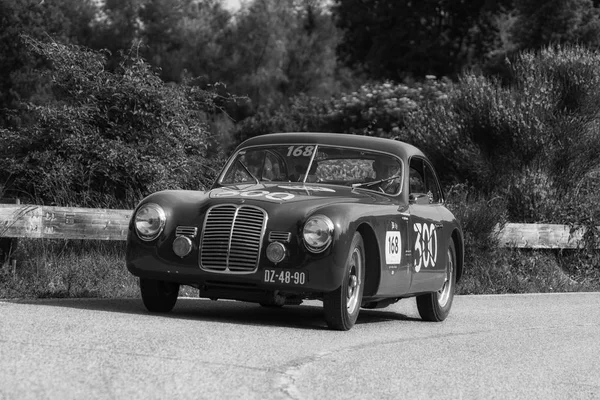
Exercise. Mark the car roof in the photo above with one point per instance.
(396, 147)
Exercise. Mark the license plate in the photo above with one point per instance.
(285, 276)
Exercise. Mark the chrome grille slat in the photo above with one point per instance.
(232, 238)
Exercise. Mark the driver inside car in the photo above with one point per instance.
(385, 168)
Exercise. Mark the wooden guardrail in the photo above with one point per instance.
(540, 236)
(33, 221)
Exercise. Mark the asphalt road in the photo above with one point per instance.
(491, 347)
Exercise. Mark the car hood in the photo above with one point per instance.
(280, 200)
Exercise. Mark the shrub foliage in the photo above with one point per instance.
(518, 151)
(110, 137)
(532, 141)
(375, 109)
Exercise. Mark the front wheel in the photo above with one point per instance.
(436, 306)
(159, 296)
(343, 304)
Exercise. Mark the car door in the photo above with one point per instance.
(425, 229)
(395, 257)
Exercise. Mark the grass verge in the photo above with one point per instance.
(78, 268)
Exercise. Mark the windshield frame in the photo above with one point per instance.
(235, 157)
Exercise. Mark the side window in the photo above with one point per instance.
(431, 184)
(424, 186)
(416, 180)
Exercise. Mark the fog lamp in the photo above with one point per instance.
(182, 246)
(276, 252)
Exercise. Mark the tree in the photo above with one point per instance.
(118, 26)
(184, 37)
(67, 20)
(396, 39)
(279, 49)
(543, 22)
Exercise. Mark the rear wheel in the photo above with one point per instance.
(436, 306)
(343, 304)
(159, 296)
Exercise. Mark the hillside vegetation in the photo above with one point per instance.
(512, 125)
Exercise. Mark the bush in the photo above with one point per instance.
(381, 109)
(493, 270)
(304, 114)
(532, 141)
(502, 271)
(375, 109)
(110, 138)
(483, 133)
(480, 218)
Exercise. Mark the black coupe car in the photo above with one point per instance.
(354, 221)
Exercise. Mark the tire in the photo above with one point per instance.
(436, 306)
(343, 304)
(159, 296)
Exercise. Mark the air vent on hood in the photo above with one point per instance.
(190, 231)
(284, 237)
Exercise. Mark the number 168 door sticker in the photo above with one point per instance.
(393, 247)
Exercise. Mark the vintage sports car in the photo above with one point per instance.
(354, 221)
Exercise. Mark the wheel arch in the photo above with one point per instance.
(460, 250)
(372, 261)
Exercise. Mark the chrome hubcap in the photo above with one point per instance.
(446, 290)
(353, 282)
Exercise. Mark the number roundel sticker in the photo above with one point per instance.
(393, 247)
(426, 246)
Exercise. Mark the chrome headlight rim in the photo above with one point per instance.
(328, 227)
(162, 218)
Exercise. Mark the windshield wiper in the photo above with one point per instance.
(373, 183)
(248, 172)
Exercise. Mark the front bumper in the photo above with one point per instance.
(323, 274)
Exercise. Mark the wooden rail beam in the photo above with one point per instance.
(33, 221)
(540, 236)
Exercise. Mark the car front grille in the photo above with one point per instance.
(231, 238)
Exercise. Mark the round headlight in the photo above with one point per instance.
(149, 221)
(318, 233)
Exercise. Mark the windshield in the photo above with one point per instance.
(315, 164)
